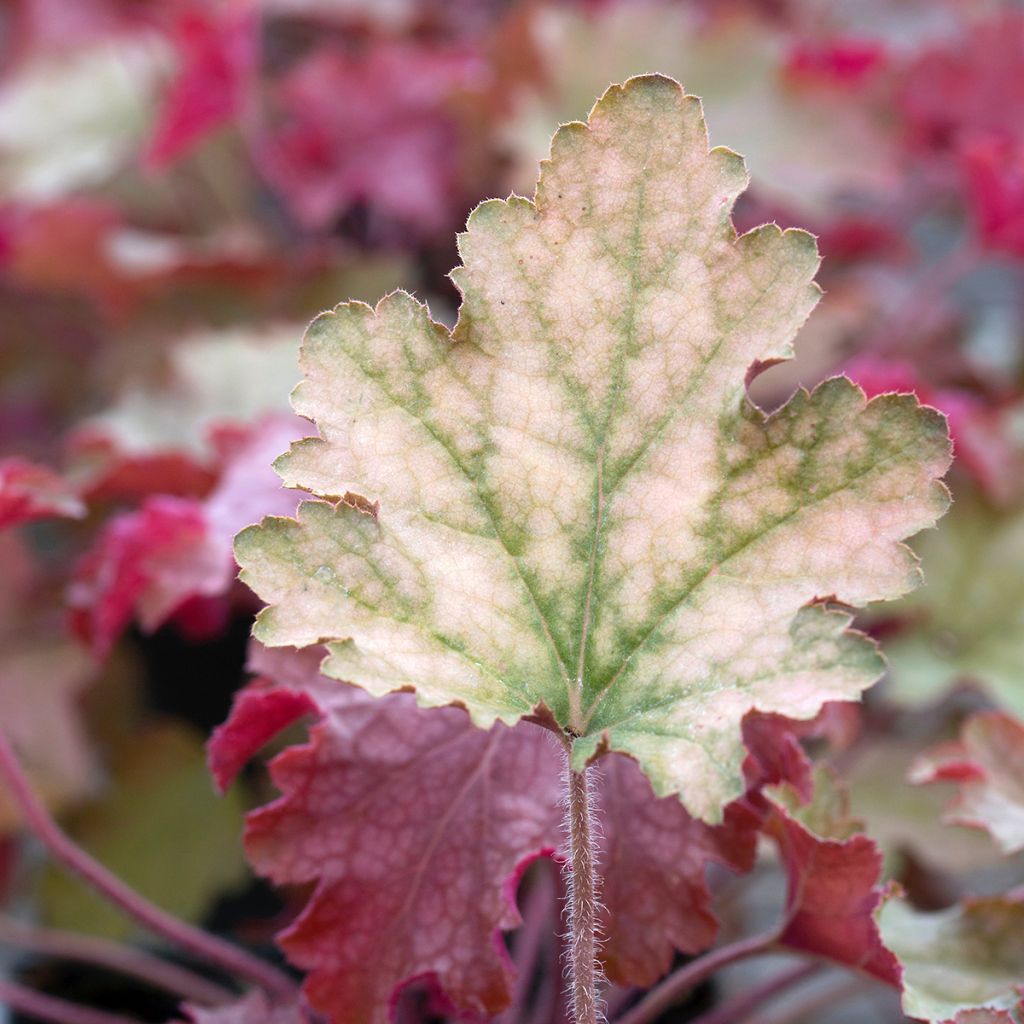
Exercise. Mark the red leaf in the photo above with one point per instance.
(414, 825)
(217, 53)
(29, 491)
(843, 62)
(149, 563)
(653, 859)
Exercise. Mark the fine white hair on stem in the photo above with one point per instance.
(582, 912)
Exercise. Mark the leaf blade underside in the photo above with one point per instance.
(579, 508)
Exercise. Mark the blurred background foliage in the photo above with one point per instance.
(185, 184)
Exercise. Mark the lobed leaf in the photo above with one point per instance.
(569, 502)
(958, 961)
(987, 763)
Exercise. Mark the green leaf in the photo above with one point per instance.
(966, 957)
(144, 830)
(969, 618)
(578, 507)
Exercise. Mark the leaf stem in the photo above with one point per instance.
(678, 983)
(203, 945)
(50, 1008)
(582, 899)
(135, 963)
(741, 1006)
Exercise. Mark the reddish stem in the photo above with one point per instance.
(582, 948)
(124, 959)
(203, 945)
(743, 1005)
(50, 1008)
(676, 985)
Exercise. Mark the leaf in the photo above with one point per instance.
(43, 674)
(577, 506)
(29, 491)
(987, 763)
(252, 1008)
(965, 624)
(171, 435)
(375, 125)
(150, 563)
(217, 53)
(81, 143)
(144, 830)
(967, 957)
(652, 860)
(832, 884)
(415, 826)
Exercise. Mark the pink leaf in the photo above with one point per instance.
(376, 127)
(987, 763)
(252, 1008)
(832, 896)
(29, 491)
(217, 51)
(994, 170)
(150, 563)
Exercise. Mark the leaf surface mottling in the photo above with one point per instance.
(578, 505)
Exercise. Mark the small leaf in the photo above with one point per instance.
(147, 564)
(144, 831)
(29, 491)
(988, 765)
(252, 1008)
(956, 961)
(833, 890)
(578, 506)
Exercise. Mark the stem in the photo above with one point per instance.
(582, 951)
(135, 963)
(201, 944)
(818, 999)
(740, 1007)
(50, 1008)
(677, 984)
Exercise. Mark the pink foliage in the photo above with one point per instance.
(217, 51)
(29, 491)
(149, 563)
(376, 127)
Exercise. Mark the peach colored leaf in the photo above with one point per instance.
(569, 501)
(987, 763)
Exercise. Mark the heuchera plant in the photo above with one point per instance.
(564, 519)
(563, 612)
